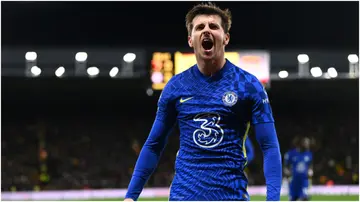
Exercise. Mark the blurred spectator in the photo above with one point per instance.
(84, 155)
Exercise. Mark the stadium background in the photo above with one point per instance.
(82, 133)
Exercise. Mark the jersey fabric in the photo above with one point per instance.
(214, 115)
(299, 163)
(249, 148)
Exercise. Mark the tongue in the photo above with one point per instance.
(207, 44)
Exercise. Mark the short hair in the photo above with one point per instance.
(209, 9)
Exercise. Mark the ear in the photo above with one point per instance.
(190, 42)
(226, 39)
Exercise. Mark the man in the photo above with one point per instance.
(213, 102)
(298, 167)
(295, 147)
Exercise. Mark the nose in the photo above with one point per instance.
(206, 30)
(206, 33)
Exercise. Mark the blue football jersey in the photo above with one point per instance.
(299, 183)
(299, 163)
(214, 115)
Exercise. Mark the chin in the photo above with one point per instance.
(210, 55)
(207, 57)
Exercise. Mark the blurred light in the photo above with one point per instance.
(60, 71)
(149, 92)
(93, 71)
(330, 183)
(303, 58)
(332, 72)
(353, 58)
(114, 71)
(283, 74)
(129, 57)
(31, 56)
(326, 75)
(157, 77)
(316, 71)
(35, 70)
(81, 56)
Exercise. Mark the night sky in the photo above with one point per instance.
(275, 25)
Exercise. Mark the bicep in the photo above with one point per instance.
(261, 111)
(266, 135)
(166, 111)
(165, 118)
(158, 135)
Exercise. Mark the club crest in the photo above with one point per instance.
(229, 98)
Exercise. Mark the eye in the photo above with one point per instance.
(214, 26)
(200, 27)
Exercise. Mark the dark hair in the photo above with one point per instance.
(209, 9)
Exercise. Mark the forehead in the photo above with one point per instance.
(206, 19)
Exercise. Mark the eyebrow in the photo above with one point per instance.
(211, 23)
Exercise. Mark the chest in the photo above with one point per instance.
(301, 159)
(223, 99)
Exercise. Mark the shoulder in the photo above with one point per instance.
(291, 151)
(180, 78)
(308, 156)
(174, 85)
(247, 81)
(170, 88)
(244, 75)
(175, 81)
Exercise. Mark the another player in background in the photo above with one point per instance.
(214, 103)
(298, 167)
(295, 147)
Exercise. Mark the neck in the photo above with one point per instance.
(210, 67)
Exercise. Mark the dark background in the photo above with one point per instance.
(319, 25)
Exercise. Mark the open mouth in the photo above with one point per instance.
(207, 44)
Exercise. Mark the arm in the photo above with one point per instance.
(148, 159)
(287, 171)
(311, 171)
(267, 138)
(151, 152)
(249, 150)
(263, 121)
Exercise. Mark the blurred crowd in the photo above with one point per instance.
(92, 152)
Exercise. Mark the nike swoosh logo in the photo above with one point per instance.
(184, 100)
